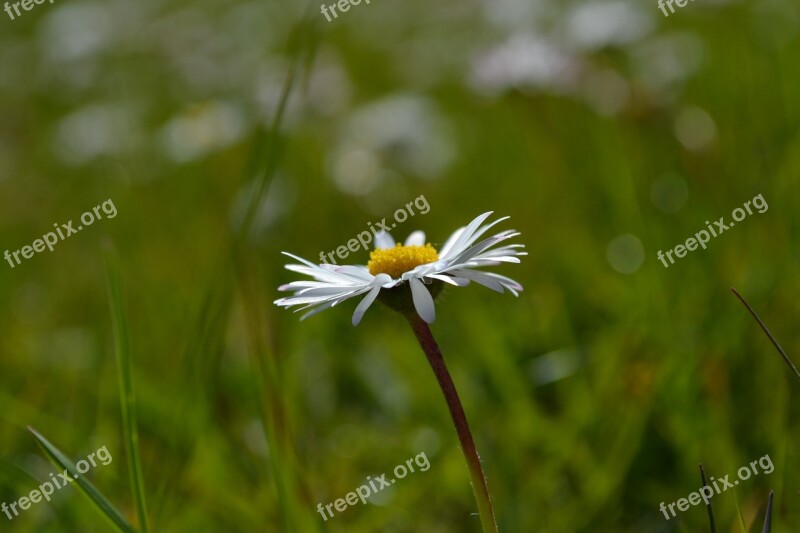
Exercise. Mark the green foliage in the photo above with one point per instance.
(592, 397)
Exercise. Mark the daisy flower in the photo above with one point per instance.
(416, 266)
(407, 277)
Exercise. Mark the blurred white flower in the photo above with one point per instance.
(201, 130)
(95, 130)
(662, 63)
(77, 29)
(625, 254)
(597, 24)
(403, 132)
(695, 128)
(523, 62)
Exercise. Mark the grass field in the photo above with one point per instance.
(223, 134)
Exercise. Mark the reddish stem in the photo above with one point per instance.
(477, 477)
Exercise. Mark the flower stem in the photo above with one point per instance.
(478, 479)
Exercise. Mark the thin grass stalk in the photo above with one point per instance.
(769, 334)
(127, 395)
(263, 161)
(270, 403)
(267, 145)
(768, 519)
(739, 512)
(708, 502)
(198, 361)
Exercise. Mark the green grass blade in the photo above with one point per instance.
(268, 145)
(708, 503)
(768, 519)
(264, 160)
(127, 397)
(772, 339)
(739, 512)
(63, 462)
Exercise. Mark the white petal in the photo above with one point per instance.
(416, 239)
(482, 278)
(451, 240)
(456, 246)
(458, 282)
(311, 301)
(423, 270)
(324, 292)
(316, 310)
(359, 272)
(384, 240)
(324, 269)
(364, 305)
(474, 255)
(305, 262)
(423, 302)
(298, 285)
(382, 280)
(324, 272)
(483, 230)
(491, 280)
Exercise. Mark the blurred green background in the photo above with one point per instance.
(605, 130)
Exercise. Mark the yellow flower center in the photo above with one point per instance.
(400, 259)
